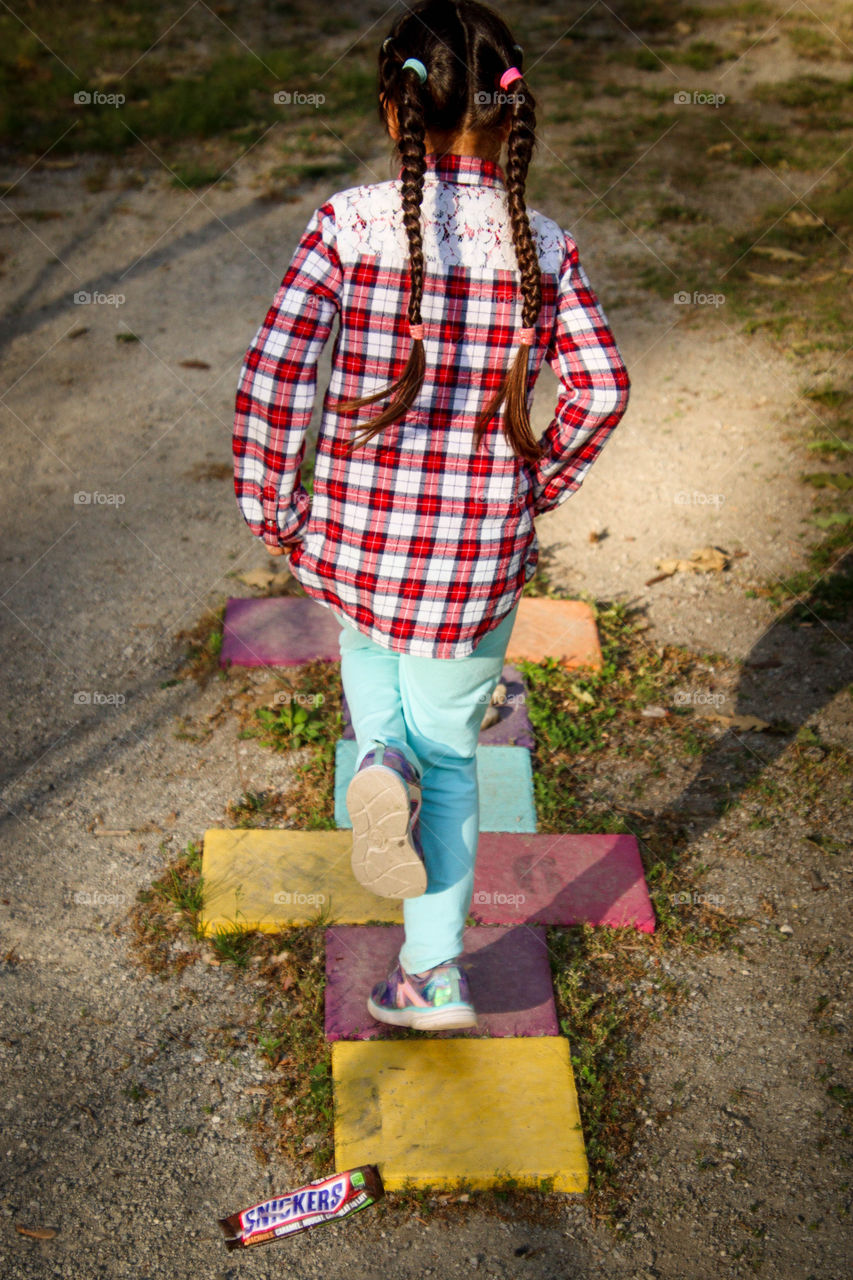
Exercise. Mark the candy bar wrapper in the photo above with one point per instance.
(325, 1200)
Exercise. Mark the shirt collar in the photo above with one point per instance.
(473, 170)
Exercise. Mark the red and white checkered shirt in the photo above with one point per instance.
(423, 544)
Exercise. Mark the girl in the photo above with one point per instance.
(449, 293)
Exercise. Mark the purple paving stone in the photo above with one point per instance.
(508, 971)
(282, 631)
(560, 879)
(513, 729)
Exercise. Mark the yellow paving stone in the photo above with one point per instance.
(267, 879)
(432, 1112)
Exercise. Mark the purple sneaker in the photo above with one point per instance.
(433, 1001)
(384, 802)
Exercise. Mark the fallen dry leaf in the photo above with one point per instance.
(766, 279)
(744, 723)
(260, 578)
(268, 580)
(781, 255)
(703, 560)
(799, 218)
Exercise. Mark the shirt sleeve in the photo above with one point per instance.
(277, 384)
(594, 388)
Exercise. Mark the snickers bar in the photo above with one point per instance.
(326, 1200)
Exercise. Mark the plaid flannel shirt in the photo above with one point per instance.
(421, 542)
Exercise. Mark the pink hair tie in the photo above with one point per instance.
(510, 76)
(527, 337)
(417, 331)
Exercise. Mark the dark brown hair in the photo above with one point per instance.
(466, 47)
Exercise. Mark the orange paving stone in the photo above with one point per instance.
(560, 629)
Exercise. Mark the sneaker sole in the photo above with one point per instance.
(425, 1019)
(384, 859)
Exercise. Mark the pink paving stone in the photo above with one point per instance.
(561, 629)
(560, 879)
(283, 631)
(508, 971)
(512, 729)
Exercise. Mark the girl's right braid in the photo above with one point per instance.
(519, 152)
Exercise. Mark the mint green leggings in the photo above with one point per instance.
(431, 709)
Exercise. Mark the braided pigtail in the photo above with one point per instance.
(412, 150)
(520, 144)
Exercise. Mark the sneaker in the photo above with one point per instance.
(431, 1001)
(384, 803)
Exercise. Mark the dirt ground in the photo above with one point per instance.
(121, 1109)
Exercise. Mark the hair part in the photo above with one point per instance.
(466, 47)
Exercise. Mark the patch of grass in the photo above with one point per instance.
(601, 1026)
(829, 397)
(809, 40)
(170, 908)
(744, 9)
(258, 809)
(311, 717)
(234, 945)
(202, 646)
(289, 727)
(289, 1032)
(825, 588)
(804, 92)
(195, 174)
(702, 55)
(841, 1094)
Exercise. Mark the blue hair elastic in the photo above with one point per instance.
(418, 66)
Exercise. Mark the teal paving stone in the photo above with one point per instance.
(504, 775)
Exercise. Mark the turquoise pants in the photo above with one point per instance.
(431, 709)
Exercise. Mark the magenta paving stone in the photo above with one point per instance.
(513, 729)
(280, 632)
(508, 971)
(560, 879)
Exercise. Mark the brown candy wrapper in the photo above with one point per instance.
(325, 1200)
